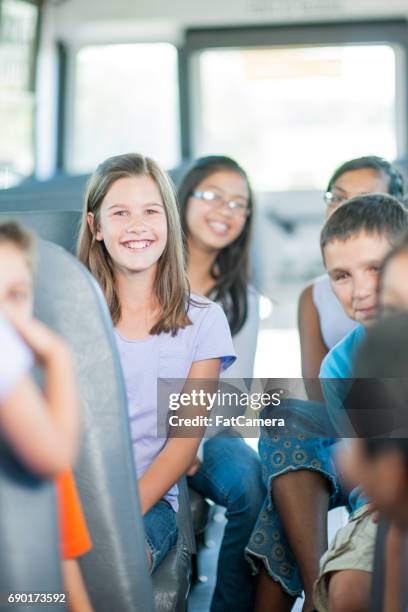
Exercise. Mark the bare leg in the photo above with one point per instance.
(302, 500)
(349, 591)
(270, 597)
(78, 600)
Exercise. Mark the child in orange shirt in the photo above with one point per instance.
(75, 541)
(43, 430)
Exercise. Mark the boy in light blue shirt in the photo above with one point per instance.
(354, 242)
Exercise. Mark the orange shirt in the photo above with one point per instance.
(74, 535)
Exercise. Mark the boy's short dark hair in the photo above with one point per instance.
(374, 213)
(378, 164)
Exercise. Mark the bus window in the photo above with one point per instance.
(301, 111)
(18, 26)
(131, 91)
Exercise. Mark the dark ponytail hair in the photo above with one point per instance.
(230, 270)
(380, 165)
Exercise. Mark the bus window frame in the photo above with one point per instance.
(66, 92)
(392, 32)
(33, 75)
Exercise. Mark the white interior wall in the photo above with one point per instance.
(86, 20)
(79, 22)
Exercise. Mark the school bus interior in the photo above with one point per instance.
(290, 88)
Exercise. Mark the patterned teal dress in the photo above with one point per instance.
(280, 454)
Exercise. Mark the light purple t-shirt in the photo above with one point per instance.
(166, 356)
(15, 359)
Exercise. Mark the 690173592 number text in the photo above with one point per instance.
(33, 598)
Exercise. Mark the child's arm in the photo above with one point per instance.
(313, 349)
(77, 596)
(44, 430)
(178, 454)
(348, 458)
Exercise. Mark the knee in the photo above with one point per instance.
(246, 492)
(349, 591)
(246, 499)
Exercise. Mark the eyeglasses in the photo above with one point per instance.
(333, 199)
(237, 208)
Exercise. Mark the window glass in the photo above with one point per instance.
(126, 99)
(18, 22)
(291, 115)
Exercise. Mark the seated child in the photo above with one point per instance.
(131, 240)
(394, 280)
(381, 462)
(322, 320)
(354, 242)
(42, 429)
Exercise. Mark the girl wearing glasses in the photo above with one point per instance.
(322, 321)
(216, 205)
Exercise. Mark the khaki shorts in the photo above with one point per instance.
(352, 548)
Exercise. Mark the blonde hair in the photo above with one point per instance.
(11, 231)
(171, 286)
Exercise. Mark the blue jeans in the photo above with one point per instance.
(230, 475)
(160, 531)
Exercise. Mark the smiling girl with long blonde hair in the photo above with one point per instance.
(131, 241)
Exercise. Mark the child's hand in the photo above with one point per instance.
(373, 510)
(44, 343)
